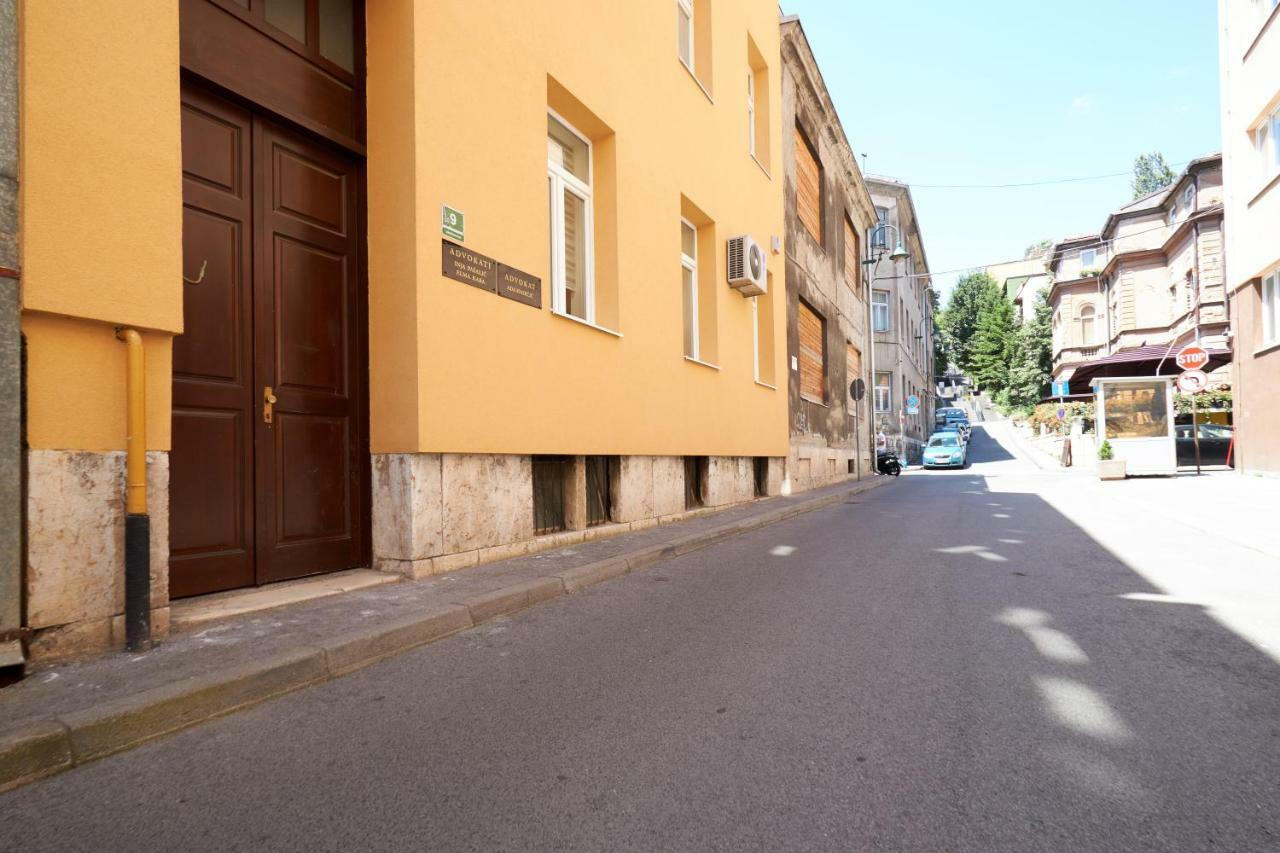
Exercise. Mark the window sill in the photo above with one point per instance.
(701, 87)
(1262, 30)
(703, 363)
(766, 385)
(756, 160)
(1266, 349)
(1268, 187)
(816, 402)
(589, 325)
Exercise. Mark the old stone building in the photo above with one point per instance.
(828, 214)
(1153, 276)
(902, 320)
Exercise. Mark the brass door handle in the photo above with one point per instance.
(268, 403)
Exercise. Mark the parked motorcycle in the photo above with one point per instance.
(887, 463)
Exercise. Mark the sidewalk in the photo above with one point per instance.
(71, 714)
(1218, 503)
(1046, 453)
(1222, 504)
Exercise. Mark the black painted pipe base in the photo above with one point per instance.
(137, 582)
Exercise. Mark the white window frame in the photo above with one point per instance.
(883, 405)
(1271, 309)
(685, 8)
(1091, 338)
(561, 181)
(879, 237)
(1093, 259)
(1274, 121)
(1267, 144)
(880, 310)
(751, 111)
(690, 263)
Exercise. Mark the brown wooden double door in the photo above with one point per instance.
(269, 461)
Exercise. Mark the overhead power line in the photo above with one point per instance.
(1030, 183)
(1091, 244)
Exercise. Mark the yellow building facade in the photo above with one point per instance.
(423, 285)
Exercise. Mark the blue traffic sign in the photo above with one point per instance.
(1061, 389)
(913, 405)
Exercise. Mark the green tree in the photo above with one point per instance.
(1035, 250)
(941, 348)
(960, 320)
(992, 345)
(1031, 360)
(1150, 173)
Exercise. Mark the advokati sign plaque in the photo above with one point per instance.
(461, 264)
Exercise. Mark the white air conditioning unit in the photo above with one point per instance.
(748, 268)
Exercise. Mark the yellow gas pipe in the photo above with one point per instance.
(136, 424)
(137, 526)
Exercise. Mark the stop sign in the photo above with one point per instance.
(1192, 357)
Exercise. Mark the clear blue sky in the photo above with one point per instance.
(1007, 91)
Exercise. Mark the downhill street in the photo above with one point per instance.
(1000, 658)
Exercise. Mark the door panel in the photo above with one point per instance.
(311, 343)
(311, 459)
(211, 531)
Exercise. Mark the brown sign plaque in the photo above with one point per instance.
(519, 286)
(462, 264)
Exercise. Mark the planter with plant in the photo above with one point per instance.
(1109, 468)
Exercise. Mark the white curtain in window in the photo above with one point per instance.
(569, 190)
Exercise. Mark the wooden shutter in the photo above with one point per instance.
(851, 254)
(812, 369)
(853, 369)
(808, 187)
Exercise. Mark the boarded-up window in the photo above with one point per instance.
(808, 187)
(853, 369)
(852, 269)
(812, 355)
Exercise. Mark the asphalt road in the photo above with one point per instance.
(930, 666)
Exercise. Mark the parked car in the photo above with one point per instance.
(945, 450)
(1215, 439)
(952, 429)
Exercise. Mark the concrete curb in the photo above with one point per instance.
(46, 747)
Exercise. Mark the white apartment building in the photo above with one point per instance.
(1249, 56)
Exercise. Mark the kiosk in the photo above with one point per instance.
(1135, 414)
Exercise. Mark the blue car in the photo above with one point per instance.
(945, 450)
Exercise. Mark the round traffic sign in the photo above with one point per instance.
(913, 403)
(1192, 357)
(857, 389)
(1191, 381)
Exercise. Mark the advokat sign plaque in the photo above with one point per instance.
(477, 270)
(469, 267)
(519, 286)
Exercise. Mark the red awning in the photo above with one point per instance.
(1138, 361)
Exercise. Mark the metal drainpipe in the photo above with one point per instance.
(12, 453)
(1195, 258)
(137, 524)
